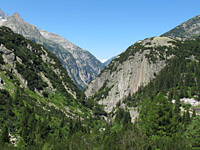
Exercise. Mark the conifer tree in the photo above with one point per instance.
(194, 113)
(5, 134)
(192, 133)
(71, 131)
(187, 117)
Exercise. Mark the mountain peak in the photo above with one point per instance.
(63, 48)
(1, 11)
(2, 14)
(17, 19)
(16, 15)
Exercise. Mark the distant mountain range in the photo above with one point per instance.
(81, 65)
(107, 62)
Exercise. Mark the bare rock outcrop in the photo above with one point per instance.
(127, 73)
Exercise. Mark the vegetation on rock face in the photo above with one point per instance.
(180, 78)
(161, 124)
(155, 53)
(44, 110)
(102, 92)
(31, 56)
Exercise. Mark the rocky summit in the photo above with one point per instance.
(81, 65)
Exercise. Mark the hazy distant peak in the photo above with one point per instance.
(16, 14)
(107, 62)
(17, 17)
(3, 17)
(2, 14)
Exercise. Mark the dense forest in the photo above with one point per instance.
(161, 125)
(28, 121)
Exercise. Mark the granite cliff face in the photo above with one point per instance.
(187, 30)
(130, 70)
(81, 65)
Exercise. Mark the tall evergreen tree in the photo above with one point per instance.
(194, 113)
(5, 134)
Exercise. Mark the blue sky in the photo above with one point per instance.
(104, 27)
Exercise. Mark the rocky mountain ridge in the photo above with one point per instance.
(129, 71)
(26, 65)
(38, 100)
(81, 65)
(187, 30)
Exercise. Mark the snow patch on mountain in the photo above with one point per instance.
(103, 60)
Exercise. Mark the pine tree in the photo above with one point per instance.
(126, 118)
(49, 117)
(8, 107)
(62, 124)
(170, 95)
(45, 128)
(187, 117)
(158, 116)
(60, 135)
(177, 106)
(194, 113)
(192, 133)
(17, 96)
(31, 128)
(183, 117)
(38, 131)
(71, 130)
(5, 134)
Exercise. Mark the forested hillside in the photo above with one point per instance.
(165, 121)
(39, 103)
(41, 108)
